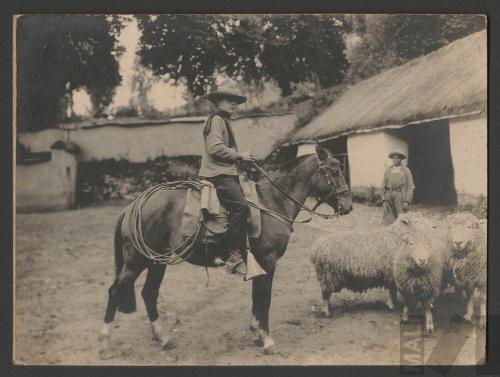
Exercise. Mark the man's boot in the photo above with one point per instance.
(235, 263)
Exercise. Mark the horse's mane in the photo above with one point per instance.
(290, 164)
(281, 175)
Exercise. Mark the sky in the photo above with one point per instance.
(162, 95)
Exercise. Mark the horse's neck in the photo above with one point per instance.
(295, 180)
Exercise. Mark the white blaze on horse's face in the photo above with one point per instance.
(462, 227)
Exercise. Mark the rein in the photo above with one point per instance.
(183, 251)
(301, 205)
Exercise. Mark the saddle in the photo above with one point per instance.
(203, 208)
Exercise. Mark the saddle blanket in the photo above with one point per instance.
(204, 205)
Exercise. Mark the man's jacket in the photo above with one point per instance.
(220, 151)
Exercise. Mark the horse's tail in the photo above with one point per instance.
(119, 244)
(127, 302)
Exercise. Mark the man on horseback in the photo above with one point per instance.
(219, 166)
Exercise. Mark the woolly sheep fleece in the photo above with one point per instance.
(470, 270)
(422, 284)
(359, 260)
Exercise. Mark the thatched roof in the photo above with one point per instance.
(448, 82)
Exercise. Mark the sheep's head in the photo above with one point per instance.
(461, 230)
(417, 238)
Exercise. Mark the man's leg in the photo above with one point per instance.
(389, 215)
(398, 204)
(232, 198)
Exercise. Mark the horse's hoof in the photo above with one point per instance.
(257, 339)
(258, 342)
(169, 344)
(105, 354)
(269, 350)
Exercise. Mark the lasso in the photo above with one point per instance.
(180, 253)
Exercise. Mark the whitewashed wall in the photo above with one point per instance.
(304, 149)
(368, 157)
(469, 153)
(138, 144)
(47, 185)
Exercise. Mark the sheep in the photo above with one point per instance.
(468, 243)
(359, 260)
(420, 269)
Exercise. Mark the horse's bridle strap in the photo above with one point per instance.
(286, 194)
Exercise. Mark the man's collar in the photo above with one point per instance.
(223, 114)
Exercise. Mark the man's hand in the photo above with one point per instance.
(247, 156)
(405, 206)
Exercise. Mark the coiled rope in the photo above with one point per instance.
(176, 255)
(183, 251)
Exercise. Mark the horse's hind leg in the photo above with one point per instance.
(149, 293)
(121, 293)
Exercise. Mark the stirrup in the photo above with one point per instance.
(232, 268)
(253, 267)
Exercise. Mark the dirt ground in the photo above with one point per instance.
(64, 266)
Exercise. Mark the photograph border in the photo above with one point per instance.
(12, 7)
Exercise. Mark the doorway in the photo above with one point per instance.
(430, 162)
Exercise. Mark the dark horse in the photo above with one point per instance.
(316, 174)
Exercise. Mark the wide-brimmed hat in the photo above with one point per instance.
(227, 89)
(397, 152)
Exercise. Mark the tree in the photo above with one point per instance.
(304, 48)
(181, 47)
(59, 54)
(390, 40)
(287, 49)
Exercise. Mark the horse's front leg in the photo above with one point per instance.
(261, 298)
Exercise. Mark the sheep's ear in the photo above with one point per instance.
(321, 153)
(405, 220)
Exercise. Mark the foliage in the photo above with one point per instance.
(478, 207)
(304, 48)
(111, 179)
(57, 54)
(390, 40)
(251, 48)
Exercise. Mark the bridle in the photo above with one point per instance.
(335, 191)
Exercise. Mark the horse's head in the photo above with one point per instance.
(329, 184)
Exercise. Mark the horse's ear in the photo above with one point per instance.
(321, 152)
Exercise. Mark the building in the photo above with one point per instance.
(46, 180)
(434, 108)
(43, 182)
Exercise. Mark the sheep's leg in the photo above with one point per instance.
(392, 299)
(326, 294)
(482, 308)
(470, 307)
(429, 321)
(406, 313)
